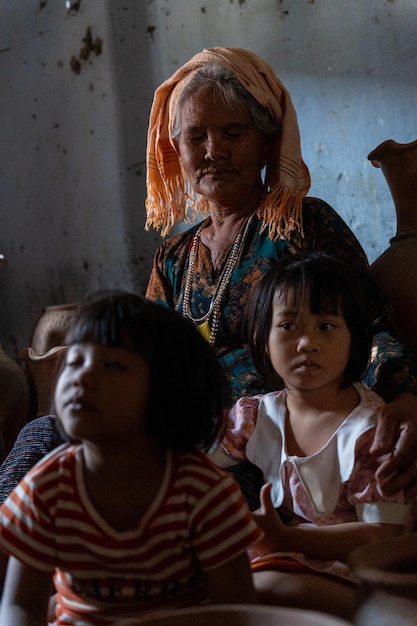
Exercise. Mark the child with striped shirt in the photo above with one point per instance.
(130, 515)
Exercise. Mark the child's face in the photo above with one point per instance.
(308, 351)
(102, 393)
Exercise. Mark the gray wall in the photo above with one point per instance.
(72, 158)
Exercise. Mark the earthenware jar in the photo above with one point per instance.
(42, 371)
(388, 574)
(44, 355)
(14, 402)
(14, 398)
(51, 327)
(394, 269)
(235, 615)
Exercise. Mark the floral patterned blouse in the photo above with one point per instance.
(390, 370)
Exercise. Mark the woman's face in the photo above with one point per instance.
(221, 150)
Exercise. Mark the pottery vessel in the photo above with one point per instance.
(14, 398)
(44, 355)
(388, 573)
(14, 402)
(42, 371)
(394, 269)
(51, 327)
(235, 615)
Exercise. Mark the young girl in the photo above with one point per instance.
(131, 516)
(310, 333)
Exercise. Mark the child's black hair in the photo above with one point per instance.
(188, 387)
(332, 287)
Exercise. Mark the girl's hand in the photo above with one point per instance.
(274, 529)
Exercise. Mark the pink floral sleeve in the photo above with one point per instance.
(241, 422)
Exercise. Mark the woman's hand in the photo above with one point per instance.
(395, 442)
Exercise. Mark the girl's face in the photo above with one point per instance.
(307, 350)
(102, 393)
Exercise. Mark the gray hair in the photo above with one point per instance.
(231, 92)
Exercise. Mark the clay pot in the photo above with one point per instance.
(235, 615)
(51, 327)
(44, 355)
(14, 398)
(388, 573)
(14, 402)
(43, 370)
(394, 268)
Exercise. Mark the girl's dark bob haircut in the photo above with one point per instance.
(188, 387)
(331, 287)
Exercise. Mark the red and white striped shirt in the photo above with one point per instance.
(197, 522)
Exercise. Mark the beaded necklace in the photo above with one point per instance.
(209, 331)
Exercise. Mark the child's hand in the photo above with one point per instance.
(272, 525)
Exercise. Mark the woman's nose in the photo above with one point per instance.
(215, 148)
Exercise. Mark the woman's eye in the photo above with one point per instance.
(196, 138)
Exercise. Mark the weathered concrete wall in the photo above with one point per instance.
(76, 88)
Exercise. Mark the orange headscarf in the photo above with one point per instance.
(287, 177)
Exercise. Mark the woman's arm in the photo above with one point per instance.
(169, 262)
(232, 582)
(25, 596)
(392, 374)
(158, 289)
(329, 543)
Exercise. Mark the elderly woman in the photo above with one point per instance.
(223, 141)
